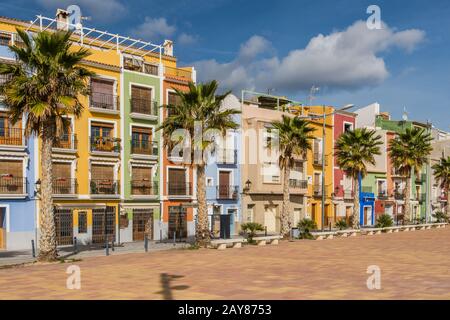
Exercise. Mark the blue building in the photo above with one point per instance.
(366, 207)
(223, 181)
(18, 158)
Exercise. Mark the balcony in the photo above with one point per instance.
(105, 145)
(177, 189)
(317, 190)
(12, 186)
(106, 187)
(144, 108)
(104, 102)
(144, 147)
(298, 184)
(398, 194)
(317, 159)
(140, 66)
(397, 173)
(67, 142)
(225, 192)
(227, 156)
(144, 188)
(64, 186)
(178, 73)
(12, 137)
(382, 195)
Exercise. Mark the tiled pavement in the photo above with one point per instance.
(414, 265)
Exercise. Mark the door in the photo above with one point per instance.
(103, 223)
(2, 228)
(368, 216)
(297, 216)
(348, 214)
(177, 182)
(225, 223)
(64, 226)
(142, 224)
(270, 219)
(177, 222)
(224, 184)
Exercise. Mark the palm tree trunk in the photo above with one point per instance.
(406, 194)
(285, 216)
(47, 239)
(201, 228)
(356, 209)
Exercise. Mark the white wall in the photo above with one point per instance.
(366, 115)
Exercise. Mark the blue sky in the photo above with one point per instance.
(287, 46)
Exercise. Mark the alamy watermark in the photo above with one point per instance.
(73, 281)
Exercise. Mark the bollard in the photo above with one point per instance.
(75, 249)
(112, 245)
(160, 236)
(265, 231)
(146, 243)
(174, 238)
(330, 226)
(107, 247)
(33, 250)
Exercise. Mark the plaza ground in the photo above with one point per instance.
(414, 265)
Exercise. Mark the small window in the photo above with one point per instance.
(348, 127)
(82, 222)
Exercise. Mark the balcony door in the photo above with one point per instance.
(101, 137)
(11, 177)
(62, 174)
(141, 100)
(141, 181)
(224, 184)
(10, 134)
(177, 182)
(102, 93)
(102, 179)
(141, 140)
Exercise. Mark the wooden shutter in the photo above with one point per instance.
(99, 171)
(142, 173)
(102, 86)
(61, 170)
(11, 167)
(141, 93)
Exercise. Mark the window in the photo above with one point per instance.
(11, 179)
(10, 134)
(82, 222)
(173, 100)
(135, 64)
(177, 182)
(102, 137)
(381, 188)
(141, 181)
(102, 94)
(62, 182)
(348, 127)
(270, 172)
(10, 168)
(5, 39)
(141, 140)
(141, 100)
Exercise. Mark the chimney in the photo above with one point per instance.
(168, 48)
(62, 19)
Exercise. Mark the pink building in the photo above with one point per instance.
(343, 186)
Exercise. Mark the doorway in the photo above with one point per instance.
(177, 222)
(103, 224)
(64, 226)
(367, 215)
(270, 218)
(142, 224)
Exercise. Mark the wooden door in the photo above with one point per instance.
(142, 224)
(270, 219)
(224, 184)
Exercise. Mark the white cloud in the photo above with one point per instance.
(187, 39)
(105, 10)
(348, 59)
(154, 29)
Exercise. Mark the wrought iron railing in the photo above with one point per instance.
(144, 147)
(226, 192)
(64, 186)
(12, 137)
(226, 156)
(177, 72)
(104, 186)
(12, 185)
(298, 184)
(105, 144)
(105, 101)
(144, 106)
(179, 189)
(317, 190)
(66, 141)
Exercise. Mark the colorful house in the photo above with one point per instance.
(223, 185)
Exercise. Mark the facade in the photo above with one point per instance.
(343, 184)
(223, 181)
(441, 148)
(261, 177)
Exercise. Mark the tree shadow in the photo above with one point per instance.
(167, 286)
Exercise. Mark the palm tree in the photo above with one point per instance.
(409, 151)
(442, 173)
(355, 149)
(294, 140)
(198, 112)
(44, 86)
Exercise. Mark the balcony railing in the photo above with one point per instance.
(226, 192)
(179, 189)
(298, 184)
(66, 141)
(317, 159)
(383, 195)
(5, 78)
(317, 190)
(65, 186)
(177, 72)
(12, 185)
(396, 173)
(12, 137)
(105, 101)
(398, 194)
(227, 156)
(144, 106)
(104, 186)
(144, 147)
(105, 144)
(144, 187)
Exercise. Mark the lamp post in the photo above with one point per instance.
(324, 117)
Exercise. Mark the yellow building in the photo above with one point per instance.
(316, 165)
